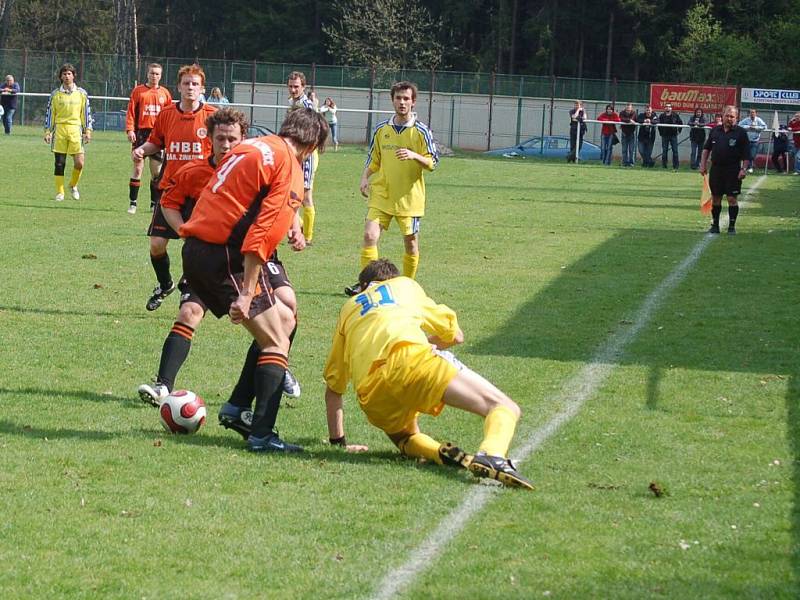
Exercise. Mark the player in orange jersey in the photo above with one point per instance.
(146, 102)
(180, 131)
(242, 215)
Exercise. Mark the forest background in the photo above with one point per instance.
(735, 42)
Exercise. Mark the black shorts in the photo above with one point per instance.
(214, 272)
(724, 181)
(188, 295)
(276, 273)
(159, 226)
(141, 138)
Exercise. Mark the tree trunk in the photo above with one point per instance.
(553, 36)
(610, 47)
(6, 6)
(513, 45)
(581, 40)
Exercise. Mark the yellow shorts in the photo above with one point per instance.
(408, 225)
(411, 381)
(67, 139)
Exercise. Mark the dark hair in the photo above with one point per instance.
(377, 270)
(297, 75)
(305, 127)
(611, 106)
(405, 85)
(66, 67)
(227, 116)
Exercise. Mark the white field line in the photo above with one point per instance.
(573, 395)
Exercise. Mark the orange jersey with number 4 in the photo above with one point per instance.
(250, 202)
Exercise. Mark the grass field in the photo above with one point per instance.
(547, 264)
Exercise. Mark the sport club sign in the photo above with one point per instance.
(762, 96)
(686, 98)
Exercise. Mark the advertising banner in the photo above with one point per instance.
(687, 97)
(764, 96)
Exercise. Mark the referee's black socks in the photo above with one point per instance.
(733, 212)
(715, 212)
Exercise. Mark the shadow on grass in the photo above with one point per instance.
(735, 311)
(79, 313)
(78, 205)
(38, 393)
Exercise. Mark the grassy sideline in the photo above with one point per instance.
(543, 262)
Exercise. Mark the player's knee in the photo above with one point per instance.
(158, 246)
(498, 398)
(60, 164)
(191, 314)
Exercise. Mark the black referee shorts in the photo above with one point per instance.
(724, 181)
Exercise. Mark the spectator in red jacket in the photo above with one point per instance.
(794, 127)
(608, 133)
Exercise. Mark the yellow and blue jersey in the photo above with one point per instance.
(68, 108)
(388, 314)
(398, 187)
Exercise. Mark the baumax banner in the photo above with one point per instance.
(687, 97)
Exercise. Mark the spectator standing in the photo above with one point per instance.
(576, 118)
(647, 135)
(754, 126)
(794, 127)
(669, 136)
(628, 128)
(780, 149)
(607, 133)
(8, 101)
(328, 111)
(216, 97)
(727, 145)
(697, 136)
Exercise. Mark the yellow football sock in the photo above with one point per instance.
(59, 184)
(368, 254)
(75, 178)
(498, 429)
(420, 445)
(410, 262)
(309, 213)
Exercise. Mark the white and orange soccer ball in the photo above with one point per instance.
(182, 412)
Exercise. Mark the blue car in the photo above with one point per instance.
(548, 146)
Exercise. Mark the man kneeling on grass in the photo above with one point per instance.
(388, 341)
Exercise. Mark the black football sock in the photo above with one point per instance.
(715, 211)
(173, 354)
(133, 189)
(245, 389)
(268, 378)
(161, 267)
(733, 212)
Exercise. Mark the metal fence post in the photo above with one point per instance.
(253, 88)
(552, 102)
(452, 118)
(519, 119)
(430, 98)
(24, 77)
(491, 103)
(371, 100)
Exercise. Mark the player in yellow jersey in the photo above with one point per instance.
(389, 342)
(296, 84)
(401, 149)
(68, 126)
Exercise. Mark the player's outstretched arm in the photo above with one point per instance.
(334, 407)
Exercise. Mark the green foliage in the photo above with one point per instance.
(390, 34)
(702, 31)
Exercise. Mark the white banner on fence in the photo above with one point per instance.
(764, 96)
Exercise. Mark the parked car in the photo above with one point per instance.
(548, 146)
(764, 156)
(256, 130)
(112, 120)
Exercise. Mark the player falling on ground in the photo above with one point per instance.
(68, 126)
(180, 131)
(243, 213)
(146, 103)
(401, 149)
(226, 129)
(387, 342)
(296, 84)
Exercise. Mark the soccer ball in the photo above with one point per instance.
(182, 412)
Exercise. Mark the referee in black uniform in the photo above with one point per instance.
(729, 149)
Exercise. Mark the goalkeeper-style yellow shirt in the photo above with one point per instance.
(398, 187)
(68, 108)
(373, 323)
